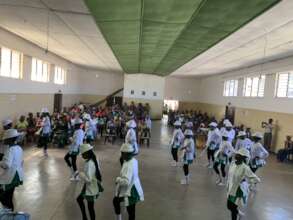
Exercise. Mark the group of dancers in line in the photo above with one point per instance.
(128, 190)
(248, 155)
(241, 160)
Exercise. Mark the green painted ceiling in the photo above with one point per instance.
(159, 36)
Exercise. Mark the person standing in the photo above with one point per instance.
(243, 141)
(239, 178)
(128, 187)
(12, 168)
(6, 124)
(188, 155)
(229, 129)
(176, 142)
(222, 157)
(213, 143)
(131, 137)
(92, 178)
(71, 157)
(46, 130)
(258, 153)
(268, 133)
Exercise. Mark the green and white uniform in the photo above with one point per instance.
(224, 153)
(92, 187)
(258, 155)
(128, 183)
(189, 151)
(12, 164)
(239, 177)
(77, 140)
(177, 138)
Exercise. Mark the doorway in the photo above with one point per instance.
(114, 100)
(171, 105)
(58, 102)
(230, 113)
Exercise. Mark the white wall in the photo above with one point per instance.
(25, 85)
(79, 80)
(182, 89)
(95, 82)
(144, 82)
(211, 88)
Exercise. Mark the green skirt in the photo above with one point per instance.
(14, 183)
(134, 197)
(74, 153)
(239, 195)
(88, 198)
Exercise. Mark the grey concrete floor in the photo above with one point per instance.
(48, 194)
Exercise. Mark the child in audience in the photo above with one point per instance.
(188, 152)
(22, 124)
(92, 178)
(176, 142)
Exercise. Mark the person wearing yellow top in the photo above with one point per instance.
(22, 124)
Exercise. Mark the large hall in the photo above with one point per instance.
(146, 109)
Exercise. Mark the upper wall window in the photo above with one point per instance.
(254, 86)
(59, 75)
(284, 86)
(230, 88)
(40, 70)
(11, 63)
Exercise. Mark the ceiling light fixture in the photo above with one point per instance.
(48, 32)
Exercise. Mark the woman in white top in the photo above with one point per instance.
(91, 176)
(229, 129)
(7, 124)
(213, 143)
(239, 177)
(130, 137)
(176, 142)
(188, 150)
(258, 153)
(90, 129)
(222, 157)
(243, 141)
(71, 157)
(46, 131)
(11, 174)
(128, 186)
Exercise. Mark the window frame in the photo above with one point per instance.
(277, 85)
(63, 71)
(11, 74)
(231, 88)
(259, 77)
(39, 77)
